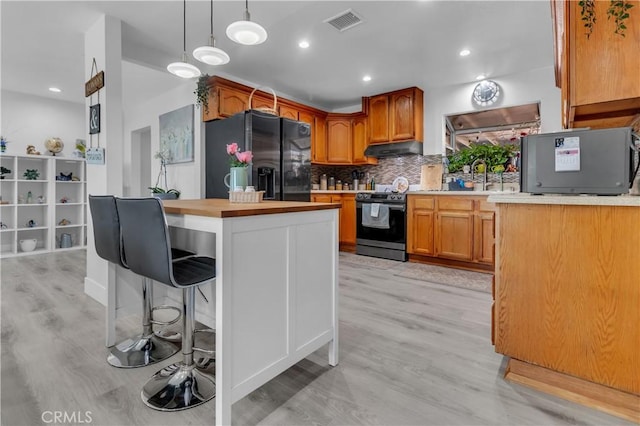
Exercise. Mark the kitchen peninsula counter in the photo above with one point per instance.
(566, 296)
(275, 297)
(222, 208)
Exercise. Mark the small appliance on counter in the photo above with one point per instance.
(598, 162)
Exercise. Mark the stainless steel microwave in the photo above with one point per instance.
(578, 162)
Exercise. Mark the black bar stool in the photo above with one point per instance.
(146, 348)
(145, 237)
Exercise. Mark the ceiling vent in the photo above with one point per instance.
(344, 20)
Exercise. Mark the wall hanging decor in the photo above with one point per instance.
(176, 135)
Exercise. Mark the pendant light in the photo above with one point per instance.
(246, 32)
(211, 54)
(183, 68)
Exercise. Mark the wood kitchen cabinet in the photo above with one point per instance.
(454, 228)
(598, 76)
(420, 223)
(288, 112)
(396, 116)
(339, 140)
(379, 119)
(231, 101)
(451, 230)
(360, 138)
(335, 138)
(347, 217)
(483, 232)
(318, 126)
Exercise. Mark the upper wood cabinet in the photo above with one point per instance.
(339, 140)
(288, 112)
(360, 138)
(379, 119)
(335, 138)
(397, 116)
(598, 76)
(230, 101)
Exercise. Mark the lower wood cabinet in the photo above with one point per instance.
(420, 224)
(457, 228)
(454, 228)
(347, 215)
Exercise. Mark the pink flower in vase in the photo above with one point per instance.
(244, 157)
(232, 148)
(238, 158)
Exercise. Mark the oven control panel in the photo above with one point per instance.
(381, 197)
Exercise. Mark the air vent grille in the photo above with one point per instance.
(344, 20)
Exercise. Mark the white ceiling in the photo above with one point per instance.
(400, 44)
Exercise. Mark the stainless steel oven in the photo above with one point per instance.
(381, 225)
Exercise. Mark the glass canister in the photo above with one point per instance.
(323, 182)
(338, 185)
(332, 184)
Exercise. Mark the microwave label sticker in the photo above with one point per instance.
(568, 154)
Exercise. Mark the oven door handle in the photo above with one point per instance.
(399, 207)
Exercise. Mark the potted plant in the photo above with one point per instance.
(202, 93)
(4, 171)
(158, 191)
(493, 155)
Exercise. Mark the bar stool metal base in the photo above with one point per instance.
(141, 351)
(179, 386)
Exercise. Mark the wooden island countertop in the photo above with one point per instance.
(222, 208)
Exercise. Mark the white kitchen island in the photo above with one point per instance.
(276, 291)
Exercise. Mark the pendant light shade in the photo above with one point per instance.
(211, 54)
(183, 68)
(246, 32)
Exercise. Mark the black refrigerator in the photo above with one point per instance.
(281, 150)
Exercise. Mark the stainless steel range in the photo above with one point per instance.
(381, 225)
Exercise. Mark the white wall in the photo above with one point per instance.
(30, 120)
(185, 177)
(536, 85)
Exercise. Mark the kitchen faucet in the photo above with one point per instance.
(473, 170)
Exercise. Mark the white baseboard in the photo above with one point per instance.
(94, 290)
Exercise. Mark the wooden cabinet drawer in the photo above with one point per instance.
(424, 203)
(454, 203)
(485, 206)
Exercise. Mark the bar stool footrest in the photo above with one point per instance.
(169, 307)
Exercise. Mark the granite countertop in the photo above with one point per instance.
(577, 200)
(222, 208)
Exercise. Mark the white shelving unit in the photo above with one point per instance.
(51, 201)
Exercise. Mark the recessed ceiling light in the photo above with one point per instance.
(481, 77)
(366, 78)
(54, 89)
(303, 44)
(465, 52)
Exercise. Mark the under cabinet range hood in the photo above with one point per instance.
(379, 150)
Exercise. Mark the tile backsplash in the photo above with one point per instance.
(390, 168)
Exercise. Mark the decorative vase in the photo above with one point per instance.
(236, 178)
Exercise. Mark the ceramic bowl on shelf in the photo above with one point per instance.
(28, 245)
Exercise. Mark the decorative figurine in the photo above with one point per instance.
(64, 222)
(31, 174)
(31, 150)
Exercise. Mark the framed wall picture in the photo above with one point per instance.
(176, 135)
(94, 119)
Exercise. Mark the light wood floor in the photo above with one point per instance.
(411, 353)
